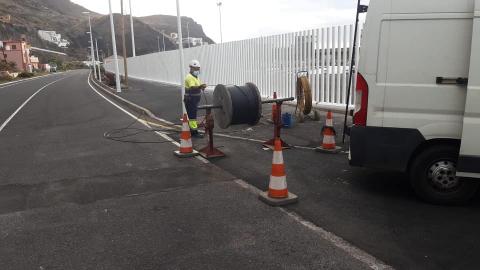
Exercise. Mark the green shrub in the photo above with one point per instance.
(25, 74)
(5, 79)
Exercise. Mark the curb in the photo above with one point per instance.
(132, 106)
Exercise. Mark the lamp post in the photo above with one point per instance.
(114, 47)
(134, 53)
(125, 67)
(94, 64)
(163, 37)
(219, 4)
(182, 57)
(188, 34)
(98, 59)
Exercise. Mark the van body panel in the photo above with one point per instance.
(431, 6)
(469, 161)
(405, 46)
(415, 56)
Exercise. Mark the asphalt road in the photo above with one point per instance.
(376, 211)
(71, 199)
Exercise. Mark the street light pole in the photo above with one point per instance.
(98, 58)
(125, 68)
(134, 53)
(163, 37)
(114, 47)
(182, 57)
(219, 4)
(188, 34)
(94, 64)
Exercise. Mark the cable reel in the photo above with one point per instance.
(304, 94)
(236, 105)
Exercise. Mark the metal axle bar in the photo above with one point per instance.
(277, 100)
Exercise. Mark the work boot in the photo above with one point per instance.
(196, 134)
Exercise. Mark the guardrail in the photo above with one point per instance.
(271, 62)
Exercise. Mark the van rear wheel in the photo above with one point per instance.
(432, 176)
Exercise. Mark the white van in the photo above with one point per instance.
(418, 95)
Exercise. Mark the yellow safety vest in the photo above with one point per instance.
(192, 81)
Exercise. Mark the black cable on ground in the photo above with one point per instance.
(113, 134)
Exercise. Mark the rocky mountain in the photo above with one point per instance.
(168, 24)
(66, 18)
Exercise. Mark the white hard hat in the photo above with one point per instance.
(195, 63)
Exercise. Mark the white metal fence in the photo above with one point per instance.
(272, 63)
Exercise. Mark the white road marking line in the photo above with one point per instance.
(166, 137)
(238, 138)
(340, 243)
(4, 85)
(337, 241)
(25, 103)
(131, 115)
(257, 140)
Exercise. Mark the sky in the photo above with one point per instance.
(242, 19)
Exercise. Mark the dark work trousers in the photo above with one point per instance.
(191, 104)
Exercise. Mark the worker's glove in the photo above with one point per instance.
(203, 86)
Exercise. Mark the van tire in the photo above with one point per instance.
(430, 176)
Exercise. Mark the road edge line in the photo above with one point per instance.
(12, 83)
(26, 102)
(332, 238)
(131, 105)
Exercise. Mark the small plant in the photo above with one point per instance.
(8, 66)
(25, 74)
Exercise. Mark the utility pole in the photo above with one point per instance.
(134, 53)
(158, 43)
(219, 4)
(163, 37)
(188, 34)
(182, 57)
(114, 47)
(92, 55)
(125, 68)
(98, 58)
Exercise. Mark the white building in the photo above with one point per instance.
(53, 37)
(193, 41)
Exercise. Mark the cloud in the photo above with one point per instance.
(242, 19)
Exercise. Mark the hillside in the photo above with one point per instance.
(169, 25)
(65, 17)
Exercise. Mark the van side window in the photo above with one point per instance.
(14, 47)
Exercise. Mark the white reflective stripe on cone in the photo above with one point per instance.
(329, 123)
(277, 157)
(328, 139)
(185, 143)
(185, 126)
(278, 182)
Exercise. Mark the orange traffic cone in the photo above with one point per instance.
(329, 120)
(328, 131)
(277, 193)
(186, 146)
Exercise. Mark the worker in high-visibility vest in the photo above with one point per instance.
(193, 92)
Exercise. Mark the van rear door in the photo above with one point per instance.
(469, 160)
